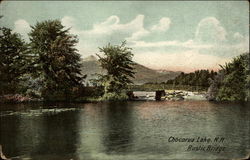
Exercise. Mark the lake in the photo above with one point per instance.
(125, 130)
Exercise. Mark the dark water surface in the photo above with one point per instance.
(123, 130)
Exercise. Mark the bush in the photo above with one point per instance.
(114, 96)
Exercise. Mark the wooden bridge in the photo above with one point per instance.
(146, 95)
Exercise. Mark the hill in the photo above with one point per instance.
(91, 66)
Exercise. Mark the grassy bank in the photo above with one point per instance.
(94, 94)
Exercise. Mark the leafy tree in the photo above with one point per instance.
(57, 61)
(232, 81)
(117, 60)
(233, 86)
(246, 64)
(13, 52)
(197, 78)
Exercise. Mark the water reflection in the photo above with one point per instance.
(232, 122)
(59, 135)
(105, 128)
(35, 133)
(30, 133)
(90, 125)
(9, 134)
(118, 136)
(123, 130)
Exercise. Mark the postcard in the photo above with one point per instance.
(124, 80)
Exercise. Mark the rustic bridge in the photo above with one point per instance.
(146, 95)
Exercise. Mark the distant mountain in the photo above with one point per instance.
(145, 75)
(91, 67)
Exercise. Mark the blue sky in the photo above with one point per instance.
(171, 35)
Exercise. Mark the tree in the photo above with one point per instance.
(232, 81)
(233, 86)
(57, 60)
(215, 84)
(246, 64)
(117, 60)
(13, 64)
(196, 78)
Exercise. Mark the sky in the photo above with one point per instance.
(169, 35)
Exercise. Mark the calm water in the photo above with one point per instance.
(123, 131)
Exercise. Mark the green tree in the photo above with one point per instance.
(198, 78)
(233, 86)
(246, 65)
(57, 60)
(232, 81)
(117, 60)
(13, 51)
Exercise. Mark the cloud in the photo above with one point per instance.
(155, 44)
(134, 30)
(138, 35)
(236, 45)
(187, 61)
(207, 50)
(68, 22)
(23, 27)
(162, 26)
(190, 44)
(112, 20)
(238, 37)
(110, 25)
(110, 30)
(209, 47)
(209, 30)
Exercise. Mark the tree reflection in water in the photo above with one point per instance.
(119, 125)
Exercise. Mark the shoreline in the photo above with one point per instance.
(171, 95)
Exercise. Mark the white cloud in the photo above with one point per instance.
(68, 22)
(238, 37)
(205, 51)
(190, 44)
(209, 30)
(162, 26)
(186, 61)
(242, 46)
(112, 20)
(155, 44)
(110, 25)
(22, 26)
(110, 30)
(134, 29)
(138, 35)
(238, 44)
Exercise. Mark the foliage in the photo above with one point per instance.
(117, 60)
(215, 84)
(31, 86)
(246, 64)
(91, 91)
(13, 60)
(57, 61)
(197, 78)
(164, 86)
(111, 96)
(232, 82)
